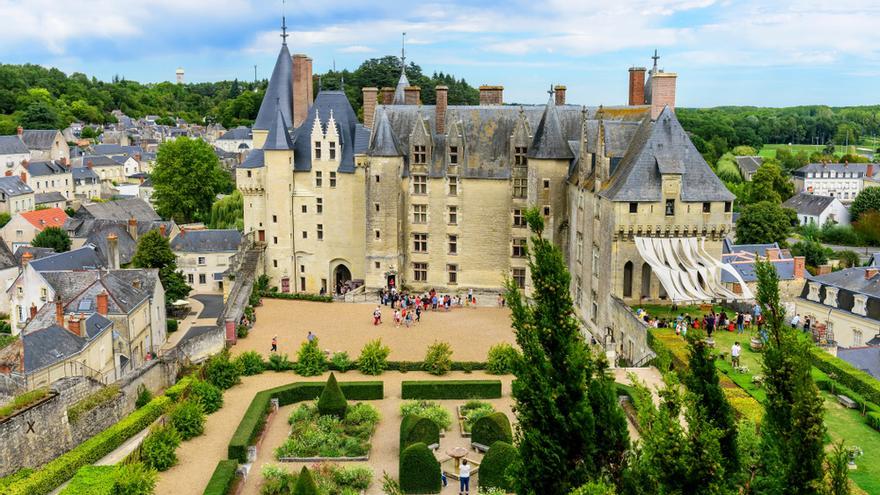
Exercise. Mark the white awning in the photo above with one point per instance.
(686, 270)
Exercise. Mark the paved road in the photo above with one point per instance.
(212, 305)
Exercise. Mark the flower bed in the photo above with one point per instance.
(430, 410)
(330, 478)
(470, 412)
(317, 437)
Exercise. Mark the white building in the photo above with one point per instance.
(236, 140)
(203, 256)
(818, 210)
(840, 180)
(12, 152)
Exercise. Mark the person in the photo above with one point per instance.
(464, 475)
(377, 316)
(396, 317)
(734, 354)
(275, 344)
(408, 319)
(796, 321)
(418, 313)
(740, 319)
(311, 337)
(747, 320)
(807, 324)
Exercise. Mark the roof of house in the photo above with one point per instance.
(41, 168)
(99, 161)
(875, 259)
(253, 160)
(83, 173)
(7, 259)
(117, 149)
(759, 249)
(49, 197)
(36, 252)
(809, 204)
(746, 269)
(39, 139)
(79, 290)
(383, 141)
(353, 136)
(749, 164)
(14, 186)
(849, 283)
(49, 217)
(859, 168)
(206, 241)
(549, 141)
(278, 94)
(278, 138)
(121, 209)
(77, 259)
(866, 359)
(238, 134)
(52, 343)
(12, 145)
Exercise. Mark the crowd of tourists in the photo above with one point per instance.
(407, 309)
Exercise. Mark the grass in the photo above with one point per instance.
(848, 425)
(22, 401)
(666, 312)
(769, 150)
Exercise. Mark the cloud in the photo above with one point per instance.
(357, 49)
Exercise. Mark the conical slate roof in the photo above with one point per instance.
(399, 91)
(384, 141)
(279, 94)
(549, 142)
(278, 138)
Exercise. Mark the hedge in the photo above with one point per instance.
(62, 468)
(420, 366)
(873, 419)
(417, 429)
(419, 470)
(493, 467)
(492, 428)
(848, 375)
(179, 390)
(92, 480)
(451, 389)
(297, 296)
(223, 477)
(252, 422)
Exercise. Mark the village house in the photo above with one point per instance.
(236, 140)
(24, 226)
(108, 170)
(45, 145)
(813, 209)
(86, 183)
(204, 256)
(13, 152)
(748, 165)
(15, 196)
(844, 306)
(843, 181)
(47, 176)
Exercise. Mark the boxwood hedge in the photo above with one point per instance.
(451, 389)
(848, 375)
(493, 467)
(492, 428)
(419, 470)
(416, 429)
(223, 477)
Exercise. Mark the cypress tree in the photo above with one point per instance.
(332, 400)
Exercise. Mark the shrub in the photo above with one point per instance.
(158, 448)
(179, 390)
(144, 396)
(221, 371)
(873, 420)
(341, 362)
(357, 477)
(209, 396)
(310, 361)
(242, 331)
(501, 359)
(494, 466)
(474, 410)
(188, 418)
(250, 363)
(134, 479)
(171, 325)
(492, 428)
(848, 375)
(438, 359)
(22, 401)
(451, 389)
(314, 435)
(305, 484)
(374, 358)
(430, 410)
(418, 429)
(301, 296)
(279, 362)
(91, 401)
(332, 400)
(221, 480)
(91, 480)
(419, 470)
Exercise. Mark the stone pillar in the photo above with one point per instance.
(231, 336)
(442, 93)
(636, 86)
(491, 95)
(370, 97)
(412, 95)
(302, 87)
(662, 92)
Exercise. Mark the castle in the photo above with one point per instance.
(433, 196)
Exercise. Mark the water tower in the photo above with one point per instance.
(179, 73)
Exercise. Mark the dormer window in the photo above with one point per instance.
(317, 150)
(453, 155)
(332, 146)
(519, 156)
(420, 155)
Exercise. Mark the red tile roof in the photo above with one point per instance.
(50, 217)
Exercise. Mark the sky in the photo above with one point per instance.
(727, 52)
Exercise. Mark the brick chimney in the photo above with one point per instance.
(871, 271)
(411, 95)
(19, 131)
(26, 258)
(636, 86)
(303, 92)
(491, 95)
(800, 264)
(23, 177)
(371, 96)
(387, 96)
(559, 91)
(113, 251)
(59, 311)
(102, 303)
(73, 325)
(662, 92)
(133, 228)
(442, 100)
(162, 229)
(869, 171)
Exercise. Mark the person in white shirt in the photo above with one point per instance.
(735, 351)
(796, 321)
(464, 476)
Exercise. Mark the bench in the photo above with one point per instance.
(847, 402)
(479, 447)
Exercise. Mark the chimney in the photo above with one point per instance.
(102, 303)
(411, 95)
(442, 93)
(559, 91)
(59, 311)
(162, 230)
(636, 86)
(26, 258)
(491, 95)
(136, 283)
(90, 164)
(800, 263)
(19, 131)
(33, 310)
(772, 254)
(662, 92)
(113, 254)
(133, 228)
(73, 325)
(302, 88)
(387, 96)
(869, 171)
(23, 176)
(871, 271)
(371, 96)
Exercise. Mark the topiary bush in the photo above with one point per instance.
(188, 418)
(310, 361)
(493, 467)
(492, 428)
(305, 484)
(438, 359)
(223, 477)
(221, 371)
(171, 325)
(374, 358)
(158, 449)
(419, 470)
(332, 400)
(250, 363)
(417, 429)
(144, 396)
(501, 359)
(134, 479)
(341, 362)
(207, 395)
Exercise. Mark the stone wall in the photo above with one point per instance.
(630, 334)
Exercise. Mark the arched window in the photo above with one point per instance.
(646, 281)
(628, 279)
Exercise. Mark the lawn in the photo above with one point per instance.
(769, 150)
(848, 425)
(666, 312)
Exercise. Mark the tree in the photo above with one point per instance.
(186, 180)
(40, 115)
(228, 212)
(52, 237)
(764, 222)
(815, 253)
(556, 414)
(4, 219)
(868, 199)
(848, 259)
(153, 251)
(769, 184)
(868, 227)
(792, 428)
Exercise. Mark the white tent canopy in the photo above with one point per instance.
(686, 270)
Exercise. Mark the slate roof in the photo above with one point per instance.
(238, 134)
(12, 145)
(51, 343)
(50, 217)
(95, 232)
(875, 260)
(84, 173)
(663, 145)
(279, 93)
(7, 259)
(758, 249)
(99, 161)
(861, 169)
(253, 160)
(206, 241)
(348, 129)
(117, 149)
(121, 209)
(83, 258)
(383, 141)
(549, 141)
(400, 89)
(148, 277)
(49, 197)
(849, 282)
(749, 164)
(866, 359)
(746, 269)
(79, 289)
(36, 252)
(42, 168)
(278, 138)
(39, 139)
(809, 204)
(13, 186)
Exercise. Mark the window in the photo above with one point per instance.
(546, 210)
(420, 156)
(332, 145)
(319, 205)
(670, 207)
(595, 260)
(857, 338)
(519, 188)
(519, 156)
(378, 235)
(248, 173)
(190, 279)
(453, 244)
(318, 179)
(519, 219)
(578, 292)
(420, 213)
(275, 263)
(727, 206)
(453, 185)
(707, 207)
(274, 218)
(202, 279)
(275, 239)
(320, 232)
(305, 209)
(519, 247)
(317, 150)
(332, 179)
(305, 234)
(302, 283)
(201, 260)
(452, 273)
(420, 184)
(420, 272)
(377, 265)
(519, 277)
(420, 243)
(377, 207)
(633, 207)
(453, 155)
(453, 215)
(546, 183)
(377, 179)
(579, 246)
(594, 309)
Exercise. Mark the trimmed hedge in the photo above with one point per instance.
(873, 419)
(451, 389)
(493, 467)
(416, 429)
(419, 470)
(252, 422)
(332, 400)
(223, 477)
(179, 390)
(492, 428)
(297, 296)
(92, 480)
(420, 366)
(848, 375)
(62, 468)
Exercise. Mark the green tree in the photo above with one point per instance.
(52, 237)
(815, 253)
(153, 251)
(4, 219)
(769, 184)
(764, 222)
(792, 428)
(40, 115)
(556, 433)
(848, 259)
(867, 200)
(186, 179)
(228, 212)
(868, 227)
